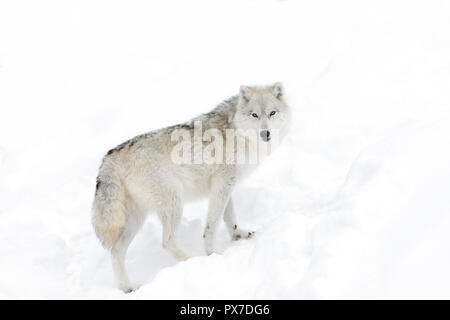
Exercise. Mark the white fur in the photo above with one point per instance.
(139, 176)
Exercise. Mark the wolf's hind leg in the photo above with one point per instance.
(113, 225)
(170, 215)
(230, 221)
(118, 253)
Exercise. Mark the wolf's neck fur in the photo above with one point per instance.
(225, 110)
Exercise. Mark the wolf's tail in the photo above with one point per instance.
(109, 211)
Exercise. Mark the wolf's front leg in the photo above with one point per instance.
(229, 217)
(220, 194)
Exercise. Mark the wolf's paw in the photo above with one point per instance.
(128, 288)
(211, 251)
(242, 234)
(181, 256)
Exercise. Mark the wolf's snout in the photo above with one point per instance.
(265, 135)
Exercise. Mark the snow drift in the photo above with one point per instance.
(354, 204)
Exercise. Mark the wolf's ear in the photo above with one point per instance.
(277, 90)
(245, 93)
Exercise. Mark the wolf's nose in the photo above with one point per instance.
(265, 135)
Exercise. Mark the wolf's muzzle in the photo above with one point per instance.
(265, 135)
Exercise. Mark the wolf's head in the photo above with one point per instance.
(262, 109)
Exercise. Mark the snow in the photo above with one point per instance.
(354, 204)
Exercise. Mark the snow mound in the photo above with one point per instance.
(393, 220)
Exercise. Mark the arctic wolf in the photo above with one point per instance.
(143, 174)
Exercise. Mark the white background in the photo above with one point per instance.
(354, 204)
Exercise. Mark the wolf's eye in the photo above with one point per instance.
(272, 113)
(254, 115)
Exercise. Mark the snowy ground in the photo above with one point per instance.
(354, 204)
